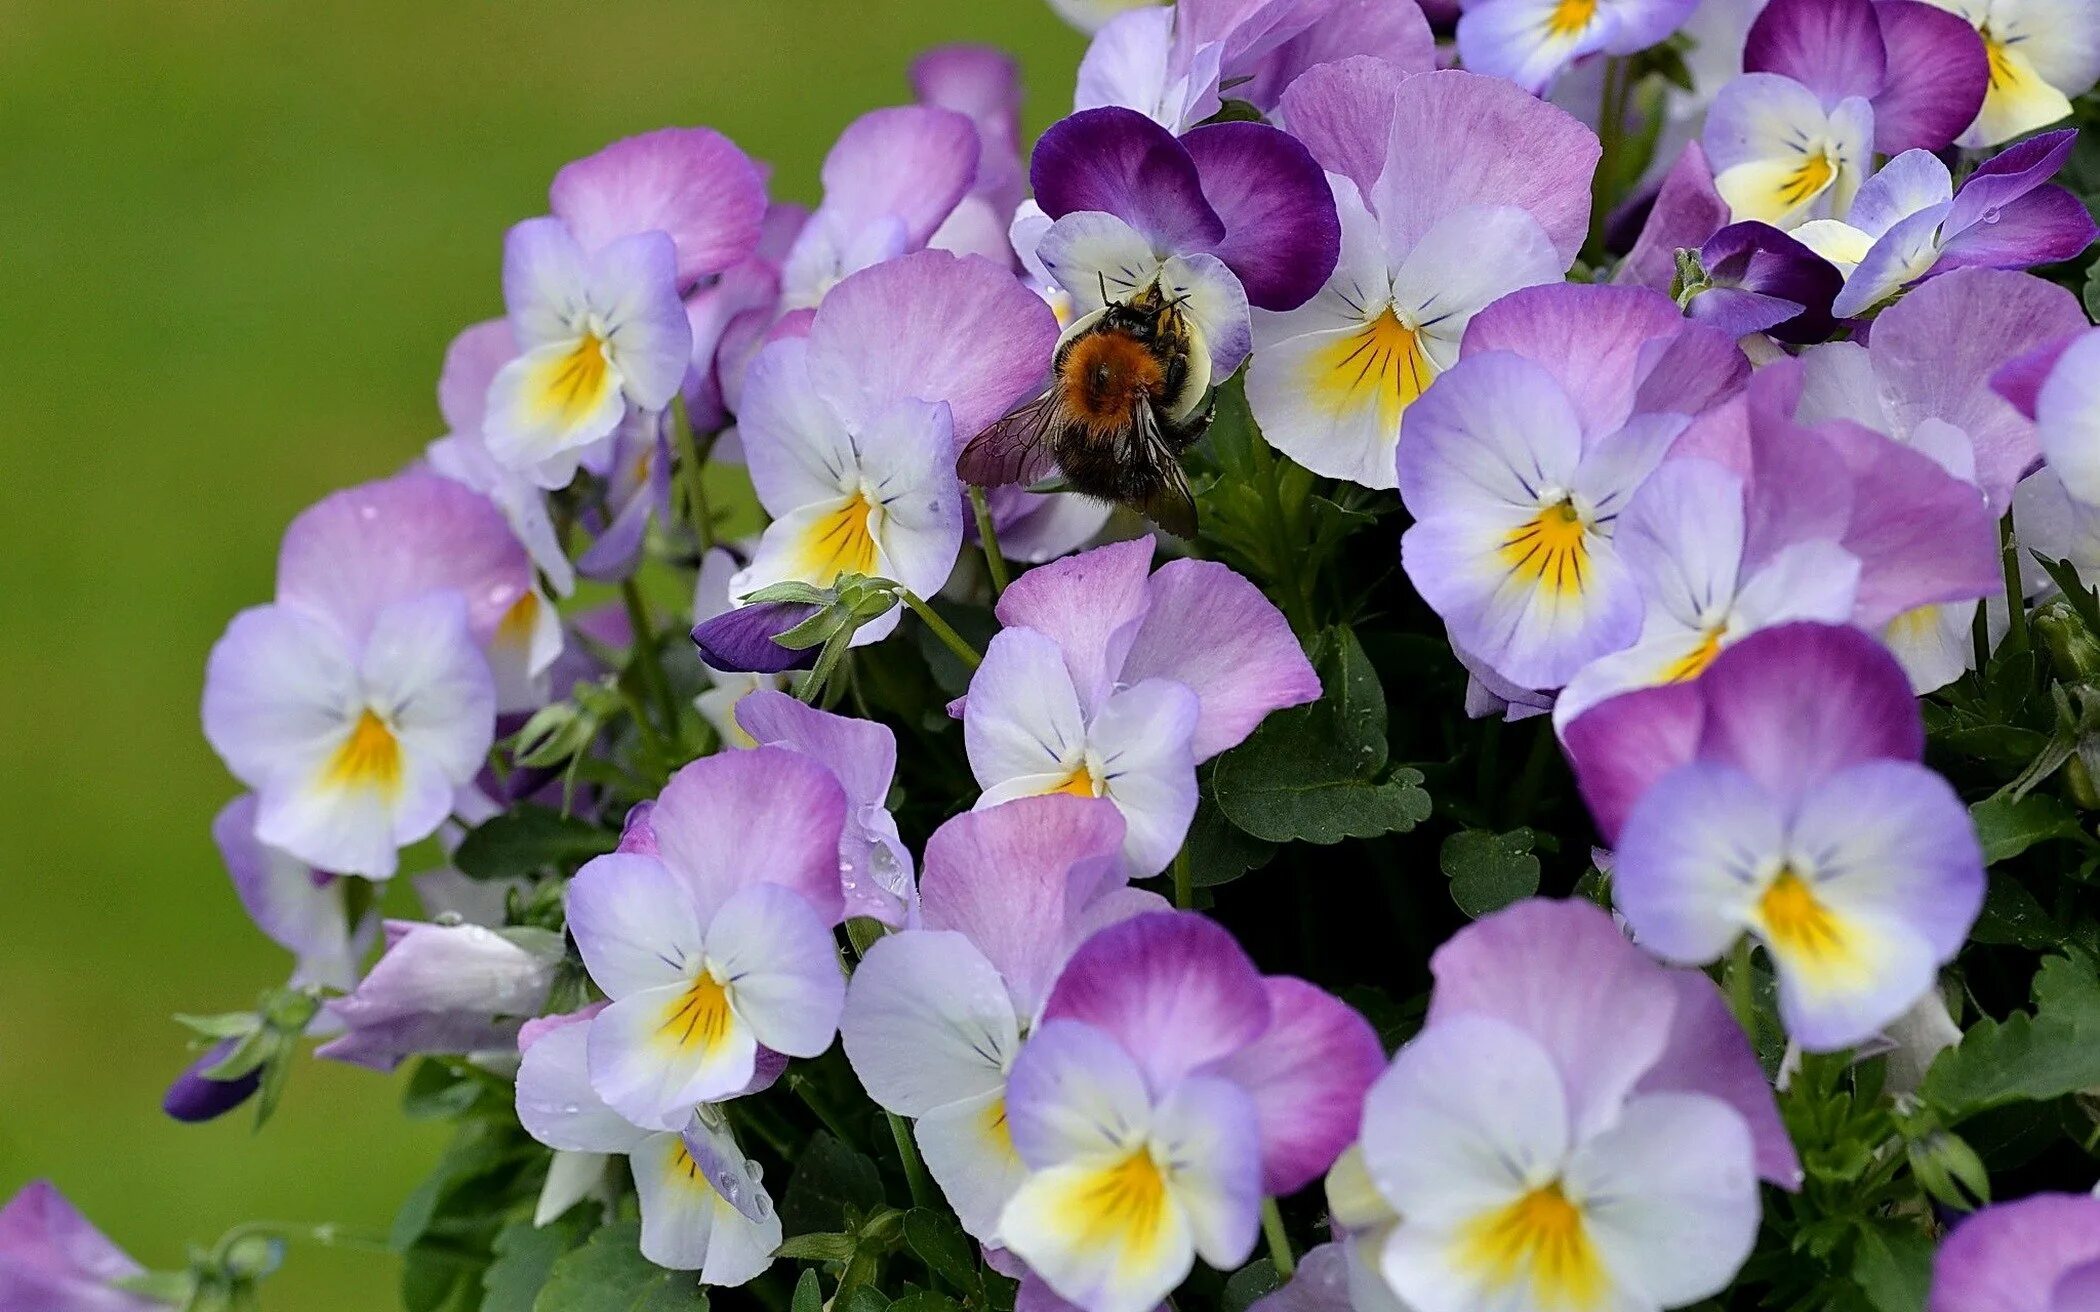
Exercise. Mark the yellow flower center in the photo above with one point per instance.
(1550, 550)
(1797, 923)
(842, 542)
(1540, 1238)
(518, 622)
(1808, 179)
(1694, 662)
(572, 387)
(1570, 17)
(1380, 364)
(1080, 783)
(369, 758)
(1126, 1202)
(700, 1018)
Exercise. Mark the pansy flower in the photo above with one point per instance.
(1227, 216)
(983, 84)
(1168, 1088)
(1783, 157)
(935, 1015)
(1437, 222)
(1575, 1127)
(1753, 278)
(851, 432)
(890, 182)
(358, 702)
(52, 1257)
(702, 1206)
(875, 868)
(1908, 221)
(1113, 681)
(728, 686)
(713, 937)
(2043, 53)
(1781, 795)
(1531, 41)
(1921, 74)
(1517, 464)
(444, 989)
(2035, 1254)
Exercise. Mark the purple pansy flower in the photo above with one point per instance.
(1453, 189)
(702, 1206)
(194, 1097)
(875, 868)
(719, 942)
(2036, 1254)
(935, 1015)
(1227, 216)
(1531, 41)
(1518, 462)
(599, 331)
(851, 432)
(1167, 1089)
(1781, 794)
(1780, 155)
(358, 702)
(53, 1259)
(1574, 1127)
(1113, 681)
(890, 182)
(2042, 53)
(1922, 74)
(691, 184)
(1759, 279)
(448, 989)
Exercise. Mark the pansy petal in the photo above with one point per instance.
(1022, 721)
(1686, 212)
(1937, 77)
(634, 289)
(1173, 988)
(298, 909)
(907, 163)
(1799, 701)
(1281, 233)
(2067, 414)
(1138, 752)
(1688, 869)
(655, 1054)
(1624, 744)
(1208, 1132)
(1092, 605)
(775, 955)
(556, 1103)
(2010, 1256)
(1340, 111)
(927, 1022)
(1074, 1095)
(971, 1156)
(1598, 342)
(1832, 47)
(1211, 630)
(634, 923)
(1307, 1074)
(690, 183)
(1708, 1053)
(767, 815)
(1119, 162)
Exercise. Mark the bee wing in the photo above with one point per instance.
(1016, 448)
(1170, 504)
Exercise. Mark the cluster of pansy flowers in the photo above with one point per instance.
(1721, 509)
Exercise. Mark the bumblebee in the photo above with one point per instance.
(1129, 393)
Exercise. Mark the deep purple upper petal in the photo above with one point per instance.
(1119, 162)
(2009, 175)
(2045, 226)
(1937, 77)
(1832, 47)
(1282, 235)
(742, 639)
(1758, 258)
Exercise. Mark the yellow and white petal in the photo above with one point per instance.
(970, 1152)
(1836, 241)
(2018, 99)
(555, 398)
(1332, 400)
(656, 1053)
(2059, 38)
(1935, 644)
(1106, 1235)
(526, 642)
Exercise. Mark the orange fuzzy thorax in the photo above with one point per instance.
(1105, 375)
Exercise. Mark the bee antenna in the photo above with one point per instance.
(1103, 278)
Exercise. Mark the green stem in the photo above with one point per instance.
(964, 652)
(1279, 1242)
(1611, 126)
(1184, 880)
(812, 686)
(988, 538)
(922, 1191)
(1741, 980)
(2015, 597)
(821, 1105)
(644, 650)
(692, 464)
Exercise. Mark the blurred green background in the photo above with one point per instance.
(234, 241)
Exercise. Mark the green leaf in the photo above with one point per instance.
(1219, 850)
(1488, 871)
(1893, 1267)
(925, 1300)
(1318, 773)
(2025, 1058)
(528, 839)
(526, 1254)
(2008, 828)
(2092, 291)
(1248, 1283)
(609, 1274)
(819, 1246)
(938, 1240)
(865, 1299)
(829, 1179)
(808, 1297)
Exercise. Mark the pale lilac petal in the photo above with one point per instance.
(1212, 630)
(649, 1065)
(1794, 703)
(1138, 752)
(634, 290)
(2008, 1258)
(1092, 605)
(1937, 77)
(970, 1155)
(1023, 728)
(1461, 139)
(690, 183)
(546, 282)
(423, 677)
(2067, 409)
(1172, 988)
(935, 328)
(1320, 1284)
(1394, 34)
(1515, 40)
(1071, 1090)
(634, 924)
(1210, 1130)
(1281, 234)
(2011, 174)
(1832, 47)
(1341, 111)
(358, 551)
(774, 953)
(1562, 973)
(927, 1022)
(446, 989)
(1709, 1053)
(863, 755)
(1594, 340)
(907, 163)
(471, 362)
(907, 472)
(1625, 743)
(298, 907)
(1307, 1074)
(1119, 162)
(766, 815)
(53, 1259)
(1688, 869)
(1923, 535)
(556, 1103)
(1017, 878)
